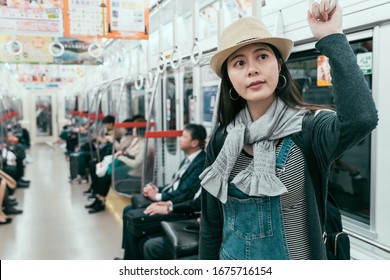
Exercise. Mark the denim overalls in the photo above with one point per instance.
(253, 226)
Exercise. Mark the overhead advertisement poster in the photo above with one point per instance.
(34, 50)
(76, 52)
(42, 4)
(31, 21)
(114, 19)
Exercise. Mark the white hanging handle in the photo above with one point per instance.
(196, 50)
(176, 56)
(14, 47)
(95, 50)
(332, 4)
(149, 80)
(139, 82)
(162, 63)
(56, 48)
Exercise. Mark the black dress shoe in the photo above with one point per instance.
(24, 181)
(92, 204)
(88, 191)
(7, 221)
(91, 196)
(22, 185)
(99, 206)
(10, 210)
(12, 202)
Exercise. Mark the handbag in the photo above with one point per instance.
(141, 224)
(181, 237)
(140, 201)
(101, 167)
(337, 244)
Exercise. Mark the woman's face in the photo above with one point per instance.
(254, 72)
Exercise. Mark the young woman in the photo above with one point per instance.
(259, 200)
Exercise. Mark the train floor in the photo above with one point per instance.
(54, 224)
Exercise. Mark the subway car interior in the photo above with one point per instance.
(67, 66)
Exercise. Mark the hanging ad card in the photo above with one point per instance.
(41, 4)
(31, 22)
(84, 18)
(128, 19)
(114, 19)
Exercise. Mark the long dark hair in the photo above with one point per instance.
(289, 93)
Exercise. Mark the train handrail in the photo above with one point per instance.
(368, 241)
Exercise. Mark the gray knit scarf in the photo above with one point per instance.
(259, 178)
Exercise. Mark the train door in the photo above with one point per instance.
(43, 115)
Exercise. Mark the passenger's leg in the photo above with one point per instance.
(125, 227)
(102, 189)
(3, 217)
(156, 249)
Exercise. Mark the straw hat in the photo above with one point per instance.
(246, 31)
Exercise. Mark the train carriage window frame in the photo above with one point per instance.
(350, 178)
(209, 90)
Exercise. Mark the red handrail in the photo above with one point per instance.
(163, 134)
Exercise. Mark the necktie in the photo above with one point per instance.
(176, 177)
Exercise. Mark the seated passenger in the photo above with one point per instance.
(131, 158)
(7, 204)
(185, 183)
(130, 154)
(103, 143)
(155, 248)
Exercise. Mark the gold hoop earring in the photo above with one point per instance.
(230, 94)
(284, 82)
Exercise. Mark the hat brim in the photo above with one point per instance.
(284, 46)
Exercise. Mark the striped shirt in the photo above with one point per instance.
(294, 206)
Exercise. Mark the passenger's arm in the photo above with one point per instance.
(356, 116)
(211, 215)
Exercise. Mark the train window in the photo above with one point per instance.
(350, 174)
(209, 93)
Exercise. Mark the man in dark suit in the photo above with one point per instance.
(185, 183)
(155, 248)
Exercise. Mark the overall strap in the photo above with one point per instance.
(283, 152)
